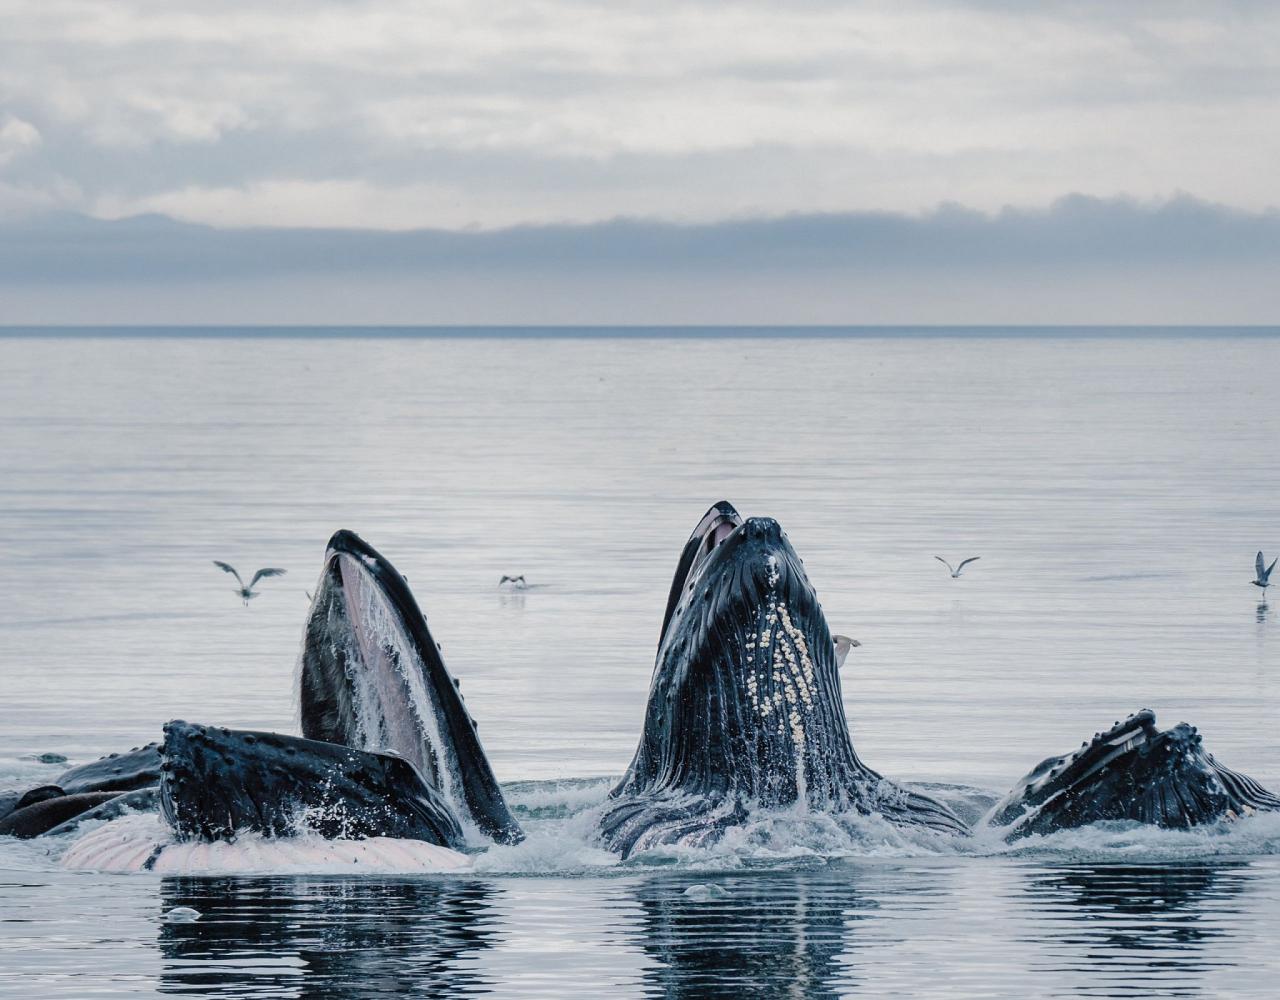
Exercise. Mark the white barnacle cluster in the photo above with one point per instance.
(796, 654)
(781, 682)
(753, 691)
(774, 576)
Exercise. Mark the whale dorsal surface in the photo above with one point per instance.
(218, 783)
(1133, 771)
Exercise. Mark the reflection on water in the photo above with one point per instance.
(1127, 926)
(326, 938)
(511, 600)
(920, 928)
(769, 935)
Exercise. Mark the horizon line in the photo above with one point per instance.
(19, 331)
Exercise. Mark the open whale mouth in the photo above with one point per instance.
(371, 677)
(716, 525)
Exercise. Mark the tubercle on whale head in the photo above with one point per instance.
(371, 676)
(739, 573)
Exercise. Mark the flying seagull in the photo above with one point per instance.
(516, 582)
(1264, 574)
(957, 570)
(843, 645)
(247, 592)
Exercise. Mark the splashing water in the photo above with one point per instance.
(560, 820)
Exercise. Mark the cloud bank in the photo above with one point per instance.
(1081, 260)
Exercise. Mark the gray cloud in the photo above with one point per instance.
(400, 114)
(569, 161)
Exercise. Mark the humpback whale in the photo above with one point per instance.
(388, 748)
(744, 709)
(103, 787)
(1134, 771)
(371, 677)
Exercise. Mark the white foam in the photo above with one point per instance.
(567, 843)
(1121, 842)
(562, 797)
(126, 844)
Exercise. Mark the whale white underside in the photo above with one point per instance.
(130, 843)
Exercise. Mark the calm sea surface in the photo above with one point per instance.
(1115, 487)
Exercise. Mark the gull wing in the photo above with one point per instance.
(265, 572)
(843, 644)
(966, 562)
(950, 569)
(1260, 567)
(1270, 568)
(228, 568)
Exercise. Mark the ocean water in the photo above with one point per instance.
(1115, 486)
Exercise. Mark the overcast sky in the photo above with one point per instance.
(422, 114)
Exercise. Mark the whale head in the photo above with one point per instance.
(1133, 771)
(745, 694)
(745, 708)
(371, 677)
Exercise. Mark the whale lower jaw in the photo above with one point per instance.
(641, 823)
(141, 844)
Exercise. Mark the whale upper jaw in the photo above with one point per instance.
(745, 709)
(1133, 771)
(371, 677)
(717, 524)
